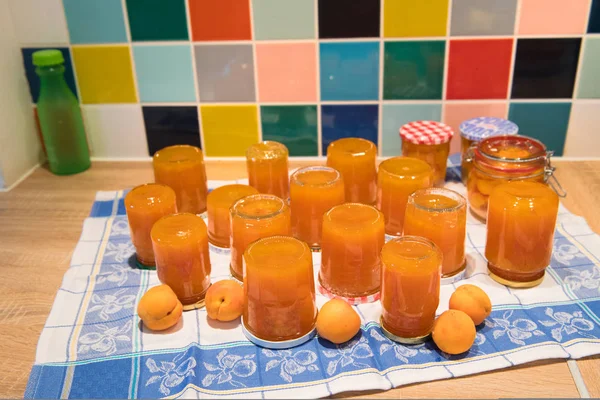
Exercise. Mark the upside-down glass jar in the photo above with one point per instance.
(501, 159)
(428, 141)
(474, 130)
(267, 164)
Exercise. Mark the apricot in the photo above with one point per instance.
(478, 201)
(454, 332)
(337, 321)
(473, 301)
(224, 300)
(159, 308)
(485, 186)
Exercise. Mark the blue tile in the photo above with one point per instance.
(341, 121)
(106, 380)
(349, 71)
(93, 21)
(396, 115)
(164, 73)
(546, 122)
(34, 80)
(594, 22)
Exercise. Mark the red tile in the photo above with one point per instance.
(220, 20)
(479, 69)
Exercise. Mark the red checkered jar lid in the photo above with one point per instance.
(426, 132)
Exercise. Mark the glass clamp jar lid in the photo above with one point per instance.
(426, 132)
(479, 128)
(515, 157)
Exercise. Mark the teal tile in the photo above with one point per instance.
(294, 126)
(164, 73)
(157, 19)
(277, 19)
(546, 122)
(589, 80)
(396, 115)
(93, 21)
(413, 70)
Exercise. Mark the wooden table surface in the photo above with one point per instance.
(41, 220)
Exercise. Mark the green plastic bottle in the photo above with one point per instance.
(60, 116)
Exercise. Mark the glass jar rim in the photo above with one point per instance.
(362, 205)
(382, 166)
(451, 194)
(234, 211)
(305, 247)
(295, 178)
(178, 215)
(193, 154)
(274, 150)
(417, 239)
(132, 193)
(519, 139)
(370, 146)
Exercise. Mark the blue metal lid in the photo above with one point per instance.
(483, 127)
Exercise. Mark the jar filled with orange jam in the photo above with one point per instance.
(410, 288)
(313, 191)
(521, 222)
(218, 203)
(501, 159)
(180, 243)
(474, 130)
(440, 215)
(428, 141)
(144, 205)
(267, 164)
(353, 235)
(355, 158)
(182, 168)
(279, 289)
(397, 179)
(252, 218)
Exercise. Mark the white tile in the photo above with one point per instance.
(52, 346)
(583, 139)
(65, 309)
(115, 131)
(39, 21)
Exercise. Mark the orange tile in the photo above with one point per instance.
(455, 113)
(287, 72)
(220, 20)
(539, 17)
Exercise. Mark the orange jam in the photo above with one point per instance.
(313, 191)
(182, 168)
(355, 158)
(439, 215)
(267, 164)
(353, 235)
(436, 155)
(279, 289)
(501, 159)
(218, 203)
(180, 246)
(521, 222)
(465, 164)
(397, 179)
(145, 205)
(252, 218)
(410, 286)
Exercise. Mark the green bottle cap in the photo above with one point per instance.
(45, 58)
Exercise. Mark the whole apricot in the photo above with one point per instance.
(473, 301)
(224, 300)
(159, 308)
(454, 332)
(337, 321)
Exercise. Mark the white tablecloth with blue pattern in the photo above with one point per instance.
(93, 344)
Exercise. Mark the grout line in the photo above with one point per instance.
(318, 66)
(70, 49)
(446, 61)
(255, 71)
(130, 47)
(580, 62)
(188, 20)
(578, 379)
(513, 56)
(380, 76)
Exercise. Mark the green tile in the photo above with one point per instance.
(547, 122)
(157, 19)
(413, 70)
(294, 126)
(589, 80)
(396, 115)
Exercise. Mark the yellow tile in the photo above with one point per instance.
(228, 130)
(414, 18)
(104, 74)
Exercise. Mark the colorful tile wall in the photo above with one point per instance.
(225, 74)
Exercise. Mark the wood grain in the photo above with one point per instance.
(40, 224)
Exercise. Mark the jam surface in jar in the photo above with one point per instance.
(410, 287)
(267, 164)
(279, 289)
(521, 223)
(439, 215)
(355, 158)
(501, 159)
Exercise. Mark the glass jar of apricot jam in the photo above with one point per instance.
(474, 130)
(500, 159)
(428, 141)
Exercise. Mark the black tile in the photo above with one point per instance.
(34, 80)
(348, 18)
(167, 126)
(545, 68)
(594, 22)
